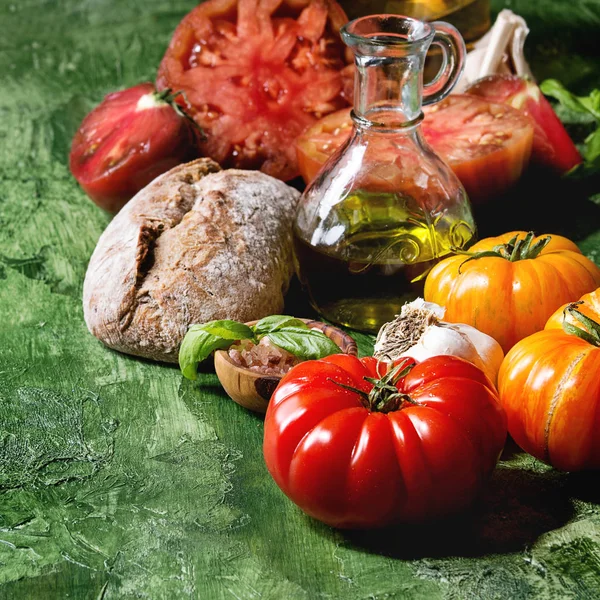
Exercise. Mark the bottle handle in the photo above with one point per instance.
(452, 45)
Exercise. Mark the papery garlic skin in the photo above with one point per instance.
(500, 50)
(464, 341)
(441, 338)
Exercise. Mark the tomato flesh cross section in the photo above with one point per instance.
(255, 75)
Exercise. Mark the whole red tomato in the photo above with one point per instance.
(130, 138)
(355, 450)
(256, 74)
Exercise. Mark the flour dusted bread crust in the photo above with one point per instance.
(194, 245)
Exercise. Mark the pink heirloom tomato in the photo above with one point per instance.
(552, 145)
(131, 137)
(256, 74)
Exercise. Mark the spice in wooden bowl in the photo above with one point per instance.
(250, 372)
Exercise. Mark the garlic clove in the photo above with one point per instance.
(445, 341)
(488, 349)
(486, 346)
(500, 50)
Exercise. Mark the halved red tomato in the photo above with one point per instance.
(487, 145)
(130, 138)
(256, 74)
(552, 146)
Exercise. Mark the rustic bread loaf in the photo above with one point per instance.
(194, 245)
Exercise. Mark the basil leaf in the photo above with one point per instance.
(592, 148)
(277, 322)
(307, 344)
(200, 340)
(594, 103)
(195, 347)
(226, 329)
(589, 105)
(555, 89)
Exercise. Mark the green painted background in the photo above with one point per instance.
(119, 479)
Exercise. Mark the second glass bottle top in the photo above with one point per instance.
(385, 208)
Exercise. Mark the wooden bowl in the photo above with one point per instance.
(253, 390)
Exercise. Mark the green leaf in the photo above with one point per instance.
(197, 346)
(227, 329)
(202, 339)
(555, 89)
(594, 103)
(277, 322)
(592, 148)
(581, 104)
(307, 344)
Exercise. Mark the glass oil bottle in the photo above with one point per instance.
(384, 208)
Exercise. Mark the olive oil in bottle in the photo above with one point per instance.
(381, 263)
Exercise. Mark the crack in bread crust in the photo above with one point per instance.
(152, 226)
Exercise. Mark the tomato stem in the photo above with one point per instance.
(384, 395)
(167, 96)
(590, 334)
(513, 250)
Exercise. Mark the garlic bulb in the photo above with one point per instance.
(419, 332)
(500, 50)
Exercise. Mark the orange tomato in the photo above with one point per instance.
(549, 385)
(590, 307)
(318, 143)
(511, 284)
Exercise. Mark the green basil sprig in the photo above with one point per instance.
(289, 333)
(588, 106)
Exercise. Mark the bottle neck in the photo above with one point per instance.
(388, 90)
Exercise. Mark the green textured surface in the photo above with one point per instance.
(119, 479)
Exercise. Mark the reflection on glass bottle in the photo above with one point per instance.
(385, 208)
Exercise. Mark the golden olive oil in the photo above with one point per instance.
(380, 263)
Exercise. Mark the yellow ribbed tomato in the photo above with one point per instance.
(549, 385)
(508, 286)
(590, 307)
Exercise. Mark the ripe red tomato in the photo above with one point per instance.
(355, 462)
(130, 138)
(552, 145)
(256, 74)
(487, 145)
